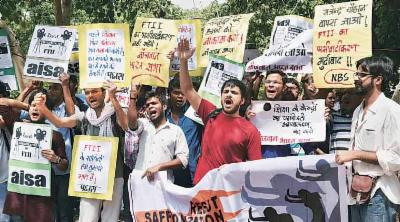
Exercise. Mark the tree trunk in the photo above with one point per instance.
(62, 12)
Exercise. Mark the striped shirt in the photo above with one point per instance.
(340, 134)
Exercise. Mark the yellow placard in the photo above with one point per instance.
(342, 36)
(93, 167)
(104, 55)
(191, 30)
(152, 40)
(225, 36)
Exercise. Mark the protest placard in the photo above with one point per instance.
(93, 167)
(103, 55)
(191, 30)
(288, 122)
(152, 40)
(218, 71)
(342, 36)
(290, 47)
(307, 188)
(49, 51)
(5, 53)
(225, 36)
(123, 97)
(29, 172)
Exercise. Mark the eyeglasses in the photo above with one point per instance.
(362, 74)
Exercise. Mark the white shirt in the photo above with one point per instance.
(379, 131)
(160, 145)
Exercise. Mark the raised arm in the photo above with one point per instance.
(184, 54)
(69, 102)
(65, 122)
(121, 116)
(14, 103)
(31, 86)
(132, 110)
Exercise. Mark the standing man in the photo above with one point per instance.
(177, 107)
(375, 138)
(162, 145)
(228, 137)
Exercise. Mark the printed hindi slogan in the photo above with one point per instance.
(49, 51)
(191, 30)
(290, 47)
(342, 35)
(288, 122)
(152, 40)
(218, 71)
(29, 172)
(93, 167)
(225, 36)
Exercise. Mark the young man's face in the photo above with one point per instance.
(310, 90)
(293, 89)
(95, 97)
(177, 98)
(273, 86)
(363, 81)
(55, 93)
(34, 113)
(231, 99)
(154, 109)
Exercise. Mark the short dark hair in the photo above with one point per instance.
(233, 83)
(4, 90)
(159, 96)
(277, 71)
(174, 84)
(294, 81)
(379, 66)
(34, 93)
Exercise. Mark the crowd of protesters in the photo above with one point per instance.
(362, 125)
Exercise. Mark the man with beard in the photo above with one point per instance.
(99, 120)
(228, 137)
(162, 145)
(177, 106)
(375, 140)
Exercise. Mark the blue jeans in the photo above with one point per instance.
(3, 193)
(378, 209)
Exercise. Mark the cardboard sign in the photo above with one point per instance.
(308, 188)
(29, 172)
(93, 167)
(288, 122)
(103, 55)
(5, 53)
(225, 36)
(342, 36)
(49, 52)
(152, 40)
(218, 71)
(191, 30)
(290, 47)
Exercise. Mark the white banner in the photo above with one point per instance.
(290, 47)
(288, 122)
(49, 52)
(308, 188)
(5, 53)
(28, 140)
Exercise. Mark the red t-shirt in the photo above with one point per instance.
(225, 140)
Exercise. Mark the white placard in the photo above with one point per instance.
(288, 122)
(5, 53)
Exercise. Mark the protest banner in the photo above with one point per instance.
(49, 52)
(29, 172)
(290, 47)
(7, 69)
(152, 40)
(218, 71)
(307, 188)
(123, 97)
(342, 36)
(225, 36)
(191, 30)
(103, 55)
(73, 64)
(288, 122)
(93, 167)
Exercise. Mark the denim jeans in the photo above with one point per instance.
(3, 193)
(378, 209)
(63, 203)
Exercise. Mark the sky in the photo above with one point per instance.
(189, 4)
